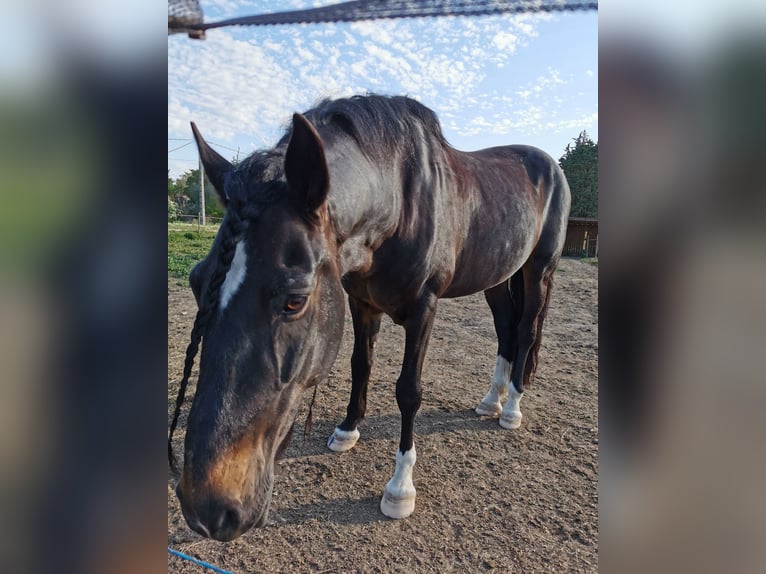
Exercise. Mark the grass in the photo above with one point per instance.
(187, 244)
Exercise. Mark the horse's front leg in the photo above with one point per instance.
(399, 497)
(366, 326)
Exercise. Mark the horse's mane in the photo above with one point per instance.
(380, 125)
(261, 165)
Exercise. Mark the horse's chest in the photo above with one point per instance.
(355, 285)
(388, 293)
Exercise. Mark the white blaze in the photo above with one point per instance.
(235, 275)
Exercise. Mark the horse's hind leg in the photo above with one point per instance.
(537, 273)
(504, 301)
(366, 321)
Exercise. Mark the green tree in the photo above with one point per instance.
(185, 193)
(580, 165)
(189, 187)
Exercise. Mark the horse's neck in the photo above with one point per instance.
(364, 207)
(370, 202)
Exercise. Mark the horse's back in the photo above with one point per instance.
(519, 204)
(544, 179)
(540, 168)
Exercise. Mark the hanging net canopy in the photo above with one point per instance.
(187, 16)
(183, 15)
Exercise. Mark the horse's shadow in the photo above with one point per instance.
(374, 429)
(343, 511)
(387, 427)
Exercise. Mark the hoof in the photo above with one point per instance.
(489, 409)
(397, 506)
(510, 421)
(341, 440)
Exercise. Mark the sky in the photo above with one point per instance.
(492, 80)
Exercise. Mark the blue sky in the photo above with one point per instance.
(492, 80)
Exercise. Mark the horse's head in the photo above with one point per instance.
(271, 308)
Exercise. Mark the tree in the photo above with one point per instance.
(580, 165)
(184, 191)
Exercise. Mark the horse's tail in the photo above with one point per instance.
(531, 367)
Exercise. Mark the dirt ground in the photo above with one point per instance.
(488, 499)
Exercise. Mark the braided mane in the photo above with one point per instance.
(231, 232)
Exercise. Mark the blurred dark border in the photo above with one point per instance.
(682, 277)
(84, 283)
(106, 506)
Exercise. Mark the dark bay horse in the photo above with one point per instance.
(363, 196)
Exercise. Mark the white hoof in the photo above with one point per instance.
(489, 409)
(399, 497)
(397, 506)
(510, 418)
(512, 421)
(341, 440)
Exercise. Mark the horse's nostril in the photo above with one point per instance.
(231, 519)
(225, 519)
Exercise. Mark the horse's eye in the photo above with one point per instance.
(294, 304)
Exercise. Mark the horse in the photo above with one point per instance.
(363, 198)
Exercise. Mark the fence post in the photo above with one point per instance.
(202, 191)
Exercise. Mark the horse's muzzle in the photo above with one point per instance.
(221, 518)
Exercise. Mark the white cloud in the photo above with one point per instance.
(247, 94)
(505, 41)
(528, 121)
(242, 84)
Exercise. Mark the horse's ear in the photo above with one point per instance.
(216, 167)
(305, 165)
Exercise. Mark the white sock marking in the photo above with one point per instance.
(512, 408)
(510, 417)
(492, 403)
(399, 498)
(235, 276)
(501, 378)
(400, 485)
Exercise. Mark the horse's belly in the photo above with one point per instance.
(471, 285)
(477, 270)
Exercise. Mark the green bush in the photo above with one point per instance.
(172, 210)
